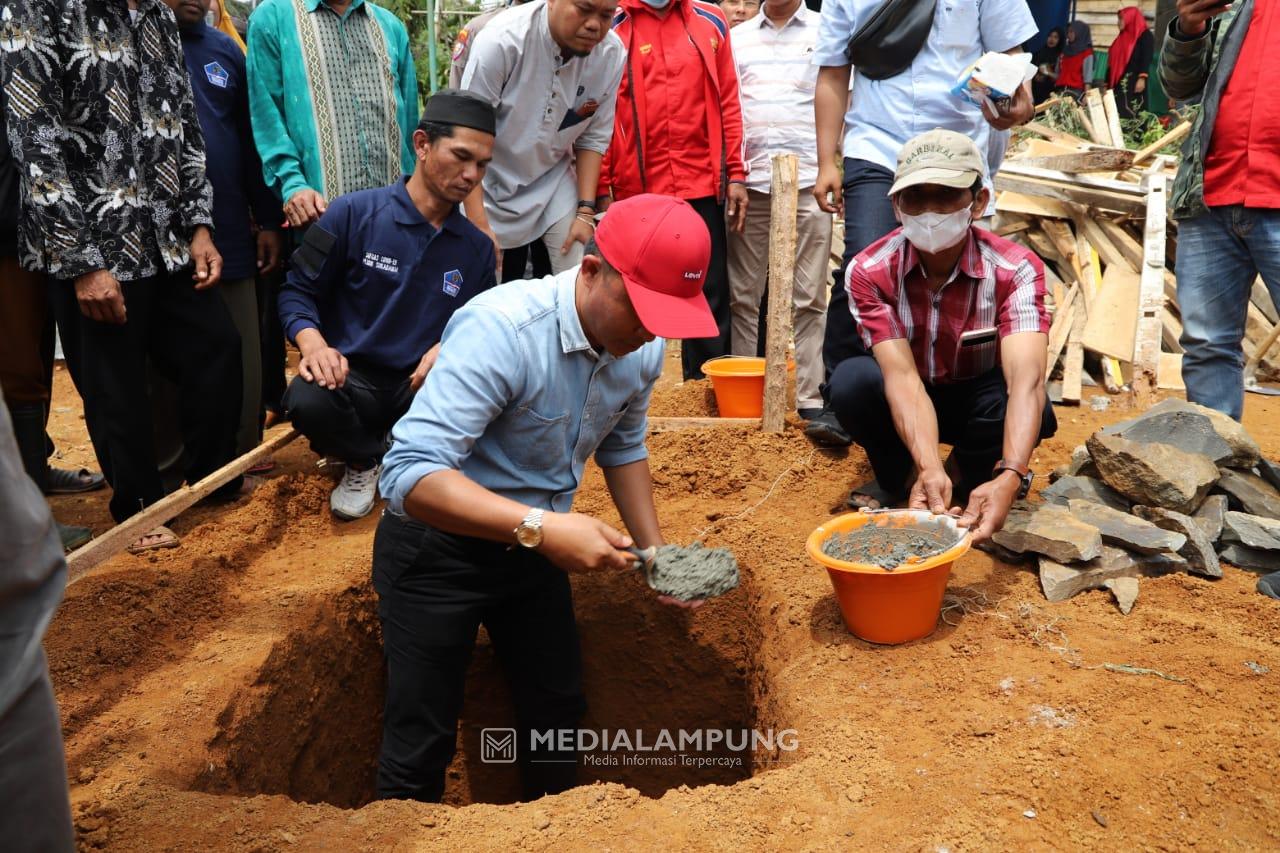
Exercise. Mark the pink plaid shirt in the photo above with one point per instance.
(996, 290)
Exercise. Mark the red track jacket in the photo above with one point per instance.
(678, 129)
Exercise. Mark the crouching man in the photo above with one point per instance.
(955, 322)
(533, 378)
(373, 285)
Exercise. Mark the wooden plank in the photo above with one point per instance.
(1041, 244)
(1170, 330)
(1169, 138)
(672, 424)
(1104, 199)
(1010, 228)
(1099, 128)
(1112, 326)
(1263, 349)
(1092, 182)
(1073, 364)
(1109, 252)
(782, 272)
(1028, 205)
(162, 511)
(1060, 328)
(1146, 359)
(1113, 118)
(1094, 160)
(1053, 134)
(1128, 247)
(1171, 372)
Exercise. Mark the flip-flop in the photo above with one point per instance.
(64, 481)
(72, 537)
(862, 496)
(266, 466)
(168, 539)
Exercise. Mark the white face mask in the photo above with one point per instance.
(934, 232)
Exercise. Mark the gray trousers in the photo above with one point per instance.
(748, 269)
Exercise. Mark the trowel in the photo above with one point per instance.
(645, 561)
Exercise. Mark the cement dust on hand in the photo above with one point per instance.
(889, 547)
(693, 572)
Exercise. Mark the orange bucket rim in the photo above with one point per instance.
(820, 534)
(709, 366)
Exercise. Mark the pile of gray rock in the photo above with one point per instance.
(1180, 488)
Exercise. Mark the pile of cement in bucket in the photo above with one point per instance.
(890, 547)
(693, 572)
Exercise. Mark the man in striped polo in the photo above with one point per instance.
(955, 322)
(776, 80)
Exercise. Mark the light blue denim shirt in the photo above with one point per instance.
(519, 399)
(884, 114)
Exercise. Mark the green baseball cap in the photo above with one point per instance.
(938, 157)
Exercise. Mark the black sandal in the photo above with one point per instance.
(862, 497)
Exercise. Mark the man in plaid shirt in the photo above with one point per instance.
(954, 319)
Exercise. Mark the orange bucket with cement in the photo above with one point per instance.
(738, 382)
(883, 606)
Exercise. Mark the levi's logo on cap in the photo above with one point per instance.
(661, 248)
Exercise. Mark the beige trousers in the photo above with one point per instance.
(748, 269)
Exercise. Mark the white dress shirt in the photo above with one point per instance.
(886, 113)
(776, 82)
(544, 113)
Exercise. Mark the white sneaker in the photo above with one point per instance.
(353, 497)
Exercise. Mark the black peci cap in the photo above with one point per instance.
(460, 109)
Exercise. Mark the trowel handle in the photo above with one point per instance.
(644, 556)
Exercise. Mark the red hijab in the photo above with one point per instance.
(1133, 25)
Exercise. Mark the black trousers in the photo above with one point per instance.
(868, 216)
(271, 336)
(694, 351)
(970, 413)
(189, 337)
(528, 261)
(435, 589)
(350, 422)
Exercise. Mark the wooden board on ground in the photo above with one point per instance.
(1095, 160)
(1073, 363)
(1146, 358)
(1171, 372)
(1112, 326)
(1030, 205)
(1113, 117)
(1099, 128)
(671, 424)
(162, 511)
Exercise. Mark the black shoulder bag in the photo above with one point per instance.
(890, 39)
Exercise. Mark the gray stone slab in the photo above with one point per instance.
(1192, 428)
(1253, 531)
(1270, 472)
(1250, 493)
(1125, 530)
(1210, 514)
(1051, 530)
(1245, 557)
(1153, 474)
(1198, 550)
(1084, 488)
(1125, 591)
(1060, 580)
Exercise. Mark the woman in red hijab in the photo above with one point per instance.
(1128, 62)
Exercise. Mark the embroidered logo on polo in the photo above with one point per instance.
(453, 282)
(217, 75)
(383, 263)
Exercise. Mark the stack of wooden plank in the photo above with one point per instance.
(1096, 213)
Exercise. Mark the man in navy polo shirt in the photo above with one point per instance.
(373, 285)
(246, 215)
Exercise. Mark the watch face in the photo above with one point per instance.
(529, 537)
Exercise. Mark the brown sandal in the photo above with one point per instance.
(166, 539)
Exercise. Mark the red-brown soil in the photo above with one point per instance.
(226, 695)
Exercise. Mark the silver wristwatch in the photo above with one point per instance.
(529, 533)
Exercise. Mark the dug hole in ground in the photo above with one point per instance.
(227, 695)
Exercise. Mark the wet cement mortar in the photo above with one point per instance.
(888, 547)
(693, 572)
(226, 695)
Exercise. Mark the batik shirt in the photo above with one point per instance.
(102, 124)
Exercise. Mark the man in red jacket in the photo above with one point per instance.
(678, 132)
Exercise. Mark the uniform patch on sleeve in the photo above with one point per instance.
(453, 282)
(217, 75)
(314, 250)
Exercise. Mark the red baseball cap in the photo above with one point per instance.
(662, 248)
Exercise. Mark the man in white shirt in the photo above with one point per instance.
(882, 116)
(552, 71)
(776, 79)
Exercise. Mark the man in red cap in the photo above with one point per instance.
(533, 378)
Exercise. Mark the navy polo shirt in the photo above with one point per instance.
(379, 281)
(220, 89)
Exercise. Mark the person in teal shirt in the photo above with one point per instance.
(333, 97)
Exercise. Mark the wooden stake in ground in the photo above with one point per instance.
(134, 528)
(1146, 358)
(782, 272)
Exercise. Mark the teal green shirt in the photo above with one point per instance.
(334, 99)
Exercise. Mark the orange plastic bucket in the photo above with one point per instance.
(882, 606)
(738, 382)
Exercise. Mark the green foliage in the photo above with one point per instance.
(1064, 115)
(456, 14)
